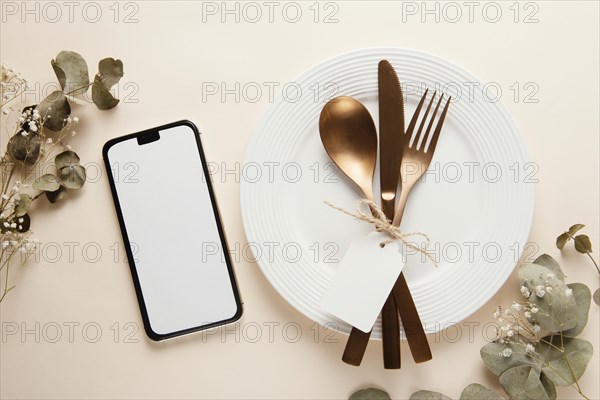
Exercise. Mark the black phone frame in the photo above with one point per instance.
(147, 136)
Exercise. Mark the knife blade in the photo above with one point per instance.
(391, 134)
(391, 139)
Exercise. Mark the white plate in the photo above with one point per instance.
(479, 222)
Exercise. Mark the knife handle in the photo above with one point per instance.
(390, 333)
(413, 328)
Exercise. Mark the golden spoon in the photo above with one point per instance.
(349, 136)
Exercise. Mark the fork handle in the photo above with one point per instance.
(413, 328)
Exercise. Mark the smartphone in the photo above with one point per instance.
(172, 231)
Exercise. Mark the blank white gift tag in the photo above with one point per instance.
(363, 280)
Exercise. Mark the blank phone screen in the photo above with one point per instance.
(172, 228)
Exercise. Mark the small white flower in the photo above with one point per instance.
(527, 314)
(49, 140)
(539, 291)
(529, 349)
(497, 314)
(5, 197)
(75, 119)
(549, 289)
(506, 352)
(550, 276)
(534, 310)
(13, 225)
(24, 133)
(73, 133)
(536, 329)
(20, 220)
(525, 292)
(568, 292)
(510, 333)
(5, 111)
(516, 306)
(69, 120)
(6, 224)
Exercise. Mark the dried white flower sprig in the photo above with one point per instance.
(37, 135)
(537, 336)
(536, 347)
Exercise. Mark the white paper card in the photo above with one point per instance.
(363, 280)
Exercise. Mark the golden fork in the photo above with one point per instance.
(417, 152)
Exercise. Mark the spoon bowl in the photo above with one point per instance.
(349, 136)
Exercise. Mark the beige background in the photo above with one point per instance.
(168, 53)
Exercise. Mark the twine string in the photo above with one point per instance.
(377, 218)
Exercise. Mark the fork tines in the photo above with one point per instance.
(417, 142)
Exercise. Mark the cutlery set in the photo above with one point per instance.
(349, 136)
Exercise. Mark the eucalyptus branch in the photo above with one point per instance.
(31, 144)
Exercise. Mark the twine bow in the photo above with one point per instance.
(377, 217)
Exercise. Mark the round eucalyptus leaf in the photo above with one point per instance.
(23, 223)
(25, 149)
(597, 297)
(497, 363)
(22, 204)
(558, 312)
(110, 72)
(57, 195)
(66, 158)
(72, 176)
(524, 383)
(428, 395)
(25, 125)
(72, 73)
(575, 228)
(562, 239)
(549, 386)
(583, 299)
(564, 367)
(19, 224)
(550, 263)
(369, 394)
(101, 96)
(47, 182)
(54, 110)
(583, 244)
(476, 391)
